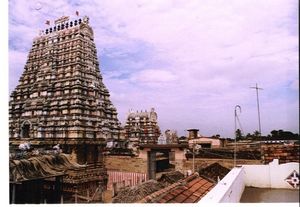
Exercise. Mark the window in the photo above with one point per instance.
(25, 130)
(205, 145)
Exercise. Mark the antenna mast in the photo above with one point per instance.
(257, 100)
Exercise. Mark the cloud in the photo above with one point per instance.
(17, 60)
(150, 76)
(191, 60)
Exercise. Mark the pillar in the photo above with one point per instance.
(115, 190)
(76, 194)
(151, 165)
(13, 194)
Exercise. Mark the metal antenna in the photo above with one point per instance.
(235, 118)
(259, 125)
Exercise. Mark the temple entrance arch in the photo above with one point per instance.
(25, 129)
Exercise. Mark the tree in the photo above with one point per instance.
(216, 136)
(238, 134)
(256, 133)
(248, 136)
(285, 135)
(274, 133)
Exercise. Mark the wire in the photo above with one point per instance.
(237, 117)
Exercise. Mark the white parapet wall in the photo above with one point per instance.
(229, 189)
(273, 175)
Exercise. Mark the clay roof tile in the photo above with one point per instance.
(187, 190)
(180, 198)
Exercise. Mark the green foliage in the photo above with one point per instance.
(274, 135)
(285, 135)
(238, 135)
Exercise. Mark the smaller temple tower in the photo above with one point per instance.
(141, 128)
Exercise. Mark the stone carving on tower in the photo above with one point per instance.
(61, 98)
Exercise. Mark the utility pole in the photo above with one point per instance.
(257, 88)
(235, 135)
(193, 157)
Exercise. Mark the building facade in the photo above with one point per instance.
(61, 99)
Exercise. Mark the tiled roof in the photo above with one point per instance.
(214, 171)
(170, 177)
(135, 193)
(187, 190)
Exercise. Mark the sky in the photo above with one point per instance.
(193, 61)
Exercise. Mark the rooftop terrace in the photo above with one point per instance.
(269, 195)
(258, 183)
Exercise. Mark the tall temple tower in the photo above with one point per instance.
(61, 98)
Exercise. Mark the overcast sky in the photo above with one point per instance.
(193, 61)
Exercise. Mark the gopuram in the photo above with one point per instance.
(61, 102)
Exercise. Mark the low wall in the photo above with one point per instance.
(125, 164)
(273, 175)
(229, 189)
(139, 165)
(284, 153)
(253, 153)
(122, 179)
(204, 162)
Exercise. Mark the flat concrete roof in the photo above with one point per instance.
(269, 195)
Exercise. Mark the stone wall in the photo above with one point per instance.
(179, 165)
(243, 145)
(138, 165)
(251, 154)
(125, 164)
(204, 162)
(284, 153)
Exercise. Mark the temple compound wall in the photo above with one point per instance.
(126, 164)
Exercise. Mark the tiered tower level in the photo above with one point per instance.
(61, 98)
